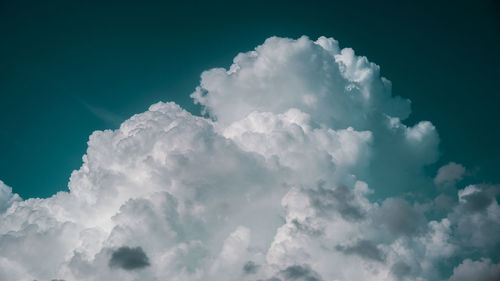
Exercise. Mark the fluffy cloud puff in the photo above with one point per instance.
(7, 197)
(449, 174)
(300, 171)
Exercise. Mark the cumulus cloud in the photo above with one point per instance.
(7, 197)
(400, 270)
(303, 170)
(482, 270)
(449, 174)
(399, 217)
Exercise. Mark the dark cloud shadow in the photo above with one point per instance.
(250, 267)
(129, 258)
(300, 272)
(364, 248)
(340, 199)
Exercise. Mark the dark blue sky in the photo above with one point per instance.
(71, 67)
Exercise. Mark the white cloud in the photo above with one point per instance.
(449, 174)
(482, 270)
(300, 174)
(336, 88)
(6, 197)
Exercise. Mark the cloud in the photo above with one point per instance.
(300, 272)
(476, 217)
(364, 248)
(475, 198)
(7, 197)
(340, 199)
(129, 258)
(400, 270)
(303, 170)
(449, 174)
(250, 268)
(482, 270)
(399, 217)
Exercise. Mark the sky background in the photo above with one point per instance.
(68, 68)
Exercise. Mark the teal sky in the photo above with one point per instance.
(71, 67)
